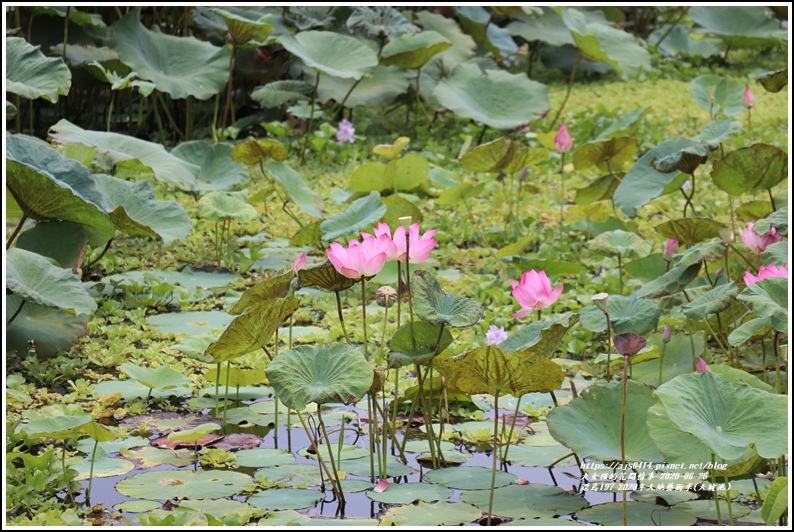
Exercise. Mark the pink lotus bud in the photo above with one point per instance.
(380, 486)
(563, 141)
(670, 249)
(764, 272)
(702, 367)
(534, 292)
(748, 98)
(721, 272)
(667, 335)
(299, 263)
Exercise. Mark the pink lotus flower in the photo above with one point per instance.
(702, 367)
(670, 249)
(748, 98)
(534, 292)
(358, 259)
(420, 248)
(563, 141)
(299, 263)
(764, 272)
(495, 336)
(758, 243)
(385, 242)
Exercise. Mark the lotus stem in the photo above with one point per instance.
(14, 316)
(510, 434)
(411, 413)
(63, 471)
(17, 229)
(335, 482)
(65, 35)
(372, 446)
(394, 410)
(215, 119)
(217, 386)
(392, 434)
(728, 494)
(229, 103)
(775, 349)
(344, 100)
(567, 92)
(341, 318)
(399, 294)
(623, 436)
(482, 134)
(495, 453)
(91, 475)
(609, 346)
(562, 192)
(771, 197)
(275, 422)
(716, 497)
(311, 121)
(428, 417)
(381, 357)
(226, 393)
(319, 456)
(364, 315)
(661, 363)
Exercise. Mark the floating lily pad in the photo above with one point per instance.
(137, 506)
(440, 514)
(528, 501)
(590, 425)
(164, 422)
(33, 75)
(103, 466)
(293, 475)
(708, 512)
(469, 477)
(534, 456)
(284, 518)
(264, 458)
(411, 492)
(174, 484)
(149, 457)
(86, 445)
(132, 389)
(161, 378)
(285, 499)
(245, 393)
(360, 467)
(230, 511)
(434, 306)
(639, 514)
(348, 452)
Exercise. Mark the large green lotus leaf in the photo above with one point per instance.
(219, 206)
(370, 176)
(257, 151)
(51, 329)
(57, 427)
(179, 66)
(590, 425)
(778, 220)
(328, 373)
(677, 42)
(416, 343)
(398, 207)
(601, 42)
(690, 231)
(458, 193)
(527, 501)
(715, 300)
(48, 186)
(304, 197)
(602, 188)
(490, 370)
(774, 81)
(285, 499)
(244, 30)
(135, 211)
(613, 152)
(776, 253)
(433, 305)
(217, 169)
(413, 51)
(332, 53)
(469, 477)
(86, 55)
(64, 242)
(754, 329)
(292, 475)
(501, 155)
(280, 92)
(540, 337)
(753, 210)
(33, 75)
(32, 277)
(326, 277)
(708, 251)
(363, 213)
(768, 298)
(463, 45)
(678, 359)
(102, 467)
(640, 514)
(271, 288)
(685, 160)
(194, 434)
(422, 514)
(647, 268)
(643, 182)
(130, 154)
(714, 95)
(622, 243)
(626, 313)
(739, 26)
(776, 501)
(378, 89)
(250, 331)
(161, 378)
(547, 27)
(534, 456)
(749, 169)
(175, 484)
(378, 21)
(705, 509)
(146, 457)
(411, 492)
(718, 131)
(496, 98)
(132, 389)
(727, 417)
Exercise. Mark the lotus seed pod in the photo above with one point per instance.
(386, 296)
(600, 301)
(378, 380)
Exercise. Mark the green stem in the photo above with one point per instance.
(110, 109)
(331, 477)
(217, 386)
(428, 417)
(661, 363)
(771, 199)
(750, 264)
(394, 409)
(510, 434)
(567, 92)
(63, 471)
(399, 295)
(17, 229)
(215, 119)
(364, 315)
(14, 316)
(226, 393)
(775, 349)
(623, 435)
(229, 102)
(713, 486)
(65, 36)
(562, 191)
(392, 435)
(335, 481)
(380, 359)
(620, 275)
(311, 121)
(341, 318)
(609, 347)
(495, 453)
(372, 445)
(91, 474)
(727, 493)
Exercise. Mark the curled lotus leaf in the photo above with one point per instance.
(690, 231)
(256, 151)
(325, 277)
(433, 305)
(413, 51)
(33, 75)
(685, 160)
(332, 53)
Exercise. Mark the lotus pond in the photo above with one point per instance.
(362, 266)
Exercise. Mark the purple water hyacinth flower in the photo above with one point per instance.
(345, 132)
(495, 335)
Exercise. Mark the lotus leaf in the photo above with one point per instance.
(768, 298)
(496, 98)
(257, 151)
(422, 514)
(705, 509)
(540, 337)
(51, 329)
(220, 206)
(398, 207)
(610, 153)
(362, 214)
(590, 425)
(280, 92)
(776, 501)
(553, 268)
(547, 27)
(492, 38)
(380, 88)
(404, 174)
(179, 66)
(292, 475)
(774, 81)
(677, 42)
(715, 300)
(285, 499)
(727, 417)
(778, 220)
(148, 457)
(360, 467)
(217, 169)
(528, 501)
(685, 160)
(101, 466)
(238, 377)
(175, 484)
(463, 45)
(326, 277)
(33, 75)
(501, 155)
(739, 26)
(161, 378)
(195, 434)
(411, 492)
(621, 243)
(57, 427)
(718, 131)
(413, 51)
(535, 456)
(417, 343)
(250, 331)
(750, 169)
(378, 21)
(135, 211)
(708, 251)
(469, 477)
(458, 193)
(271, 288)
(714, 95)
(679, 355)
(130, 154)
(602, 188)
(137, 506)
(626, 313)
(48, 186)
(640, 514)
(601, 42)
(244, 30)
(690, 231)
(320, 374)
(433, 305)
(643, 182)
(347, 452)
(332, 53)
